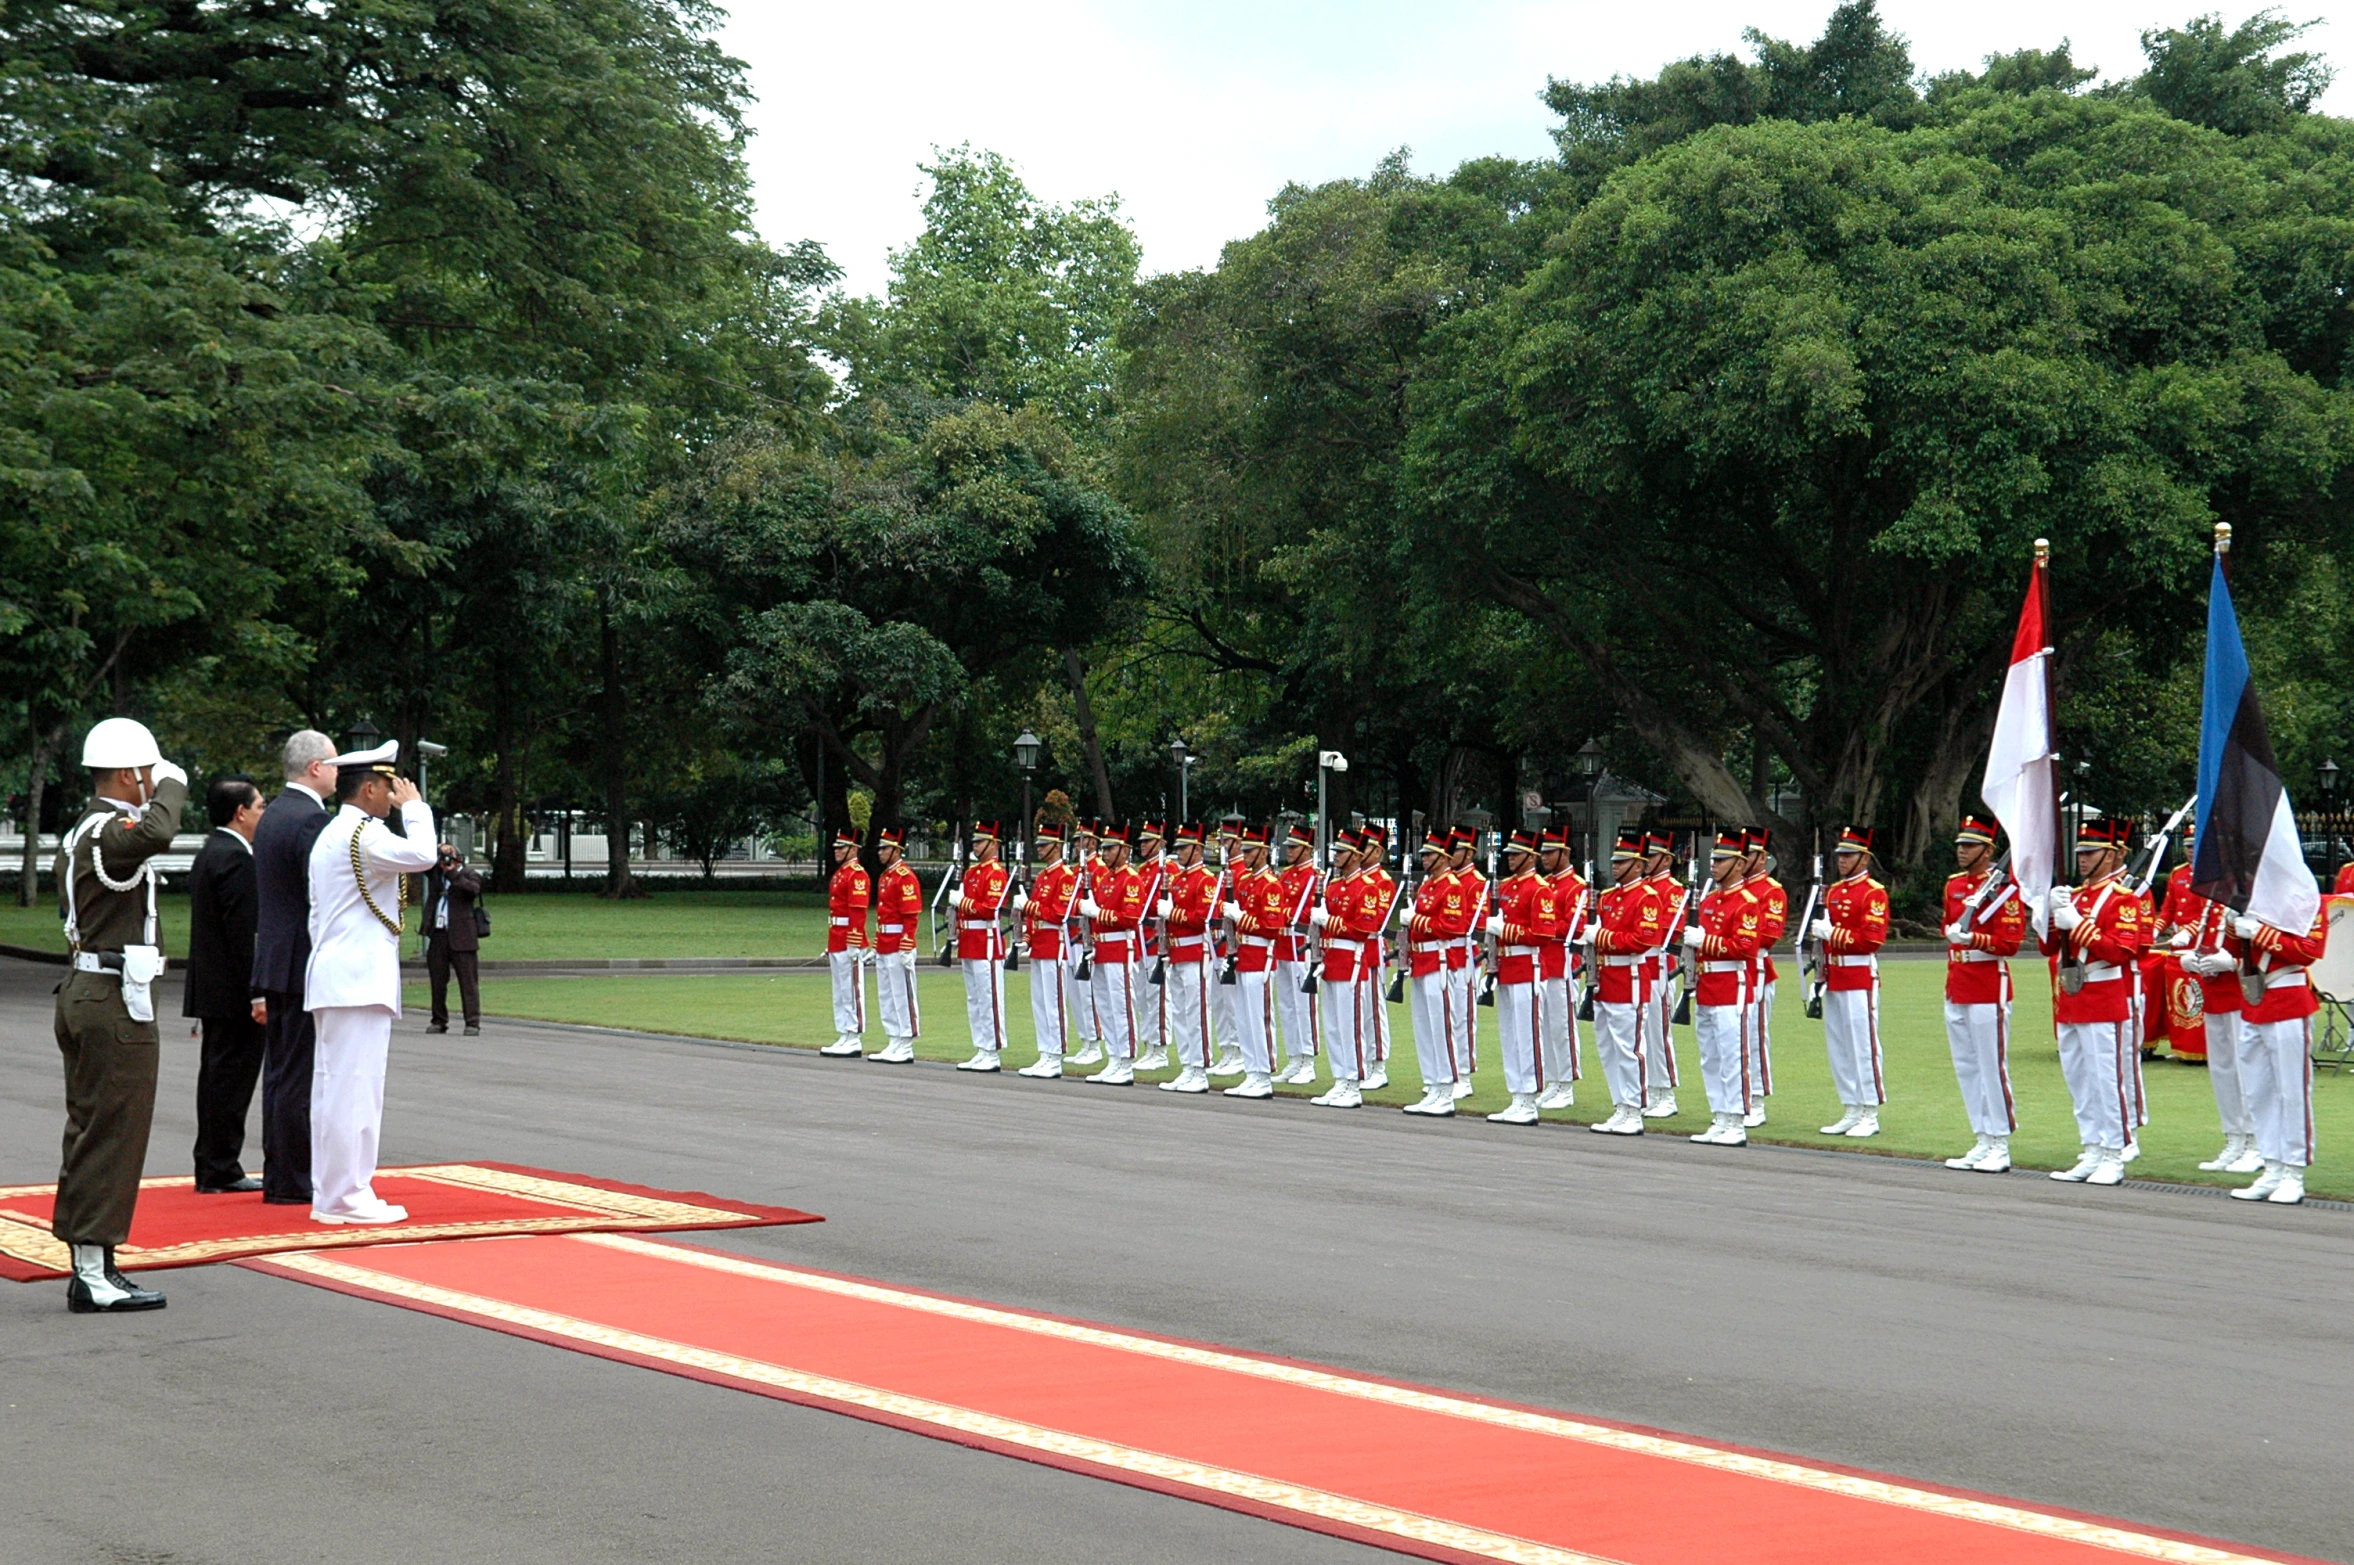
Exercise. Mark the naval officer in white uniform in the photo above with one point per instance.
(352, 986)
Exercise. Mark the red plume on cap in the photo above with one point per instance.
(1348, 839)
(1658, 842)
(1629, 844)
(1553, 837)
(1050, 831)
(844, 837)
(2111, 833)
(1729, 845)
(891, 837)
(1436, 841)
(1975, 828)
(984, 831)
(1757, 839)
(1374, 836)
(1153, 829)
(1521, 842)
(1301, 835)
(1856, 839)
(1111, 833)
(1189, 835)
(1254, 836)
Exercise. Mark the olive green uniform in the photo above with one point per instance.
(109, 1058)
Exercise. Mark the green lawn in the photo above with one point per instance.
(41, 927)
(1923, 1117)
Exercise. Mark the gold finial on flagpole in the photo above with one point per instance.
(2222, 538)
(2043, 551)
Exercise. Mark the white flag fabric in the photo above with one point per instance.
(2019, 765)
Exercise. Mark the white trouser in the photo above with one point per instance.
(1851, 1036)
(1558, 1024)
(1225, 1008)
(1723, 1031)
(1152, 1004)
(1519, 1036)
(848, 969)
(1618, 1044)
(2223, 1073)
(1761, 1047)
(347, 1103)
(1377, 1006)
(2092, 1059)
(2276, 1072)
(1431, 996)
(1188, 986)
(1659, 1047)
(1079, 1004)
(1463, 1018)
(1980, 1037)
(1295, 1010)
(1115, 984)
(2137, 1097)
(1347, 1010)
(984, 1002)
(895, 988)
(1254, 1005)
(1050, 1003)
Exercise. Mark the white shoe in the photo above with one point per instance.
(843, 1047)
(1754, 1118)
(1191, 1078)
(1438, 1100)
(1624, 1120)
(1974, 1156)
(1344, 1095)
(1661, 1107)
(1845, 1122)
(1154, 1060)
(1117, 1074)
(1714, 1132)
(1997, 1159)
(2274, 1176)
(1561, 1095)
(1090, 1053)
(1866, 1123)
(2233, 1145)
(1049, 1067)
(2291, 1189)
(2132, 1150)
(2250, 1161)
(1300, 1072)
(982, 1060)
(2089, 1160)
(366, 1213)
(2110, 1170)
(1522, 1110)
(1376, 1079)
(1254, 1084)
(1228, 1063)
(1462, 1090)
(900, 1051)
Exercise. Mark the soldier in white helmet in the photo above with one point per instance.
(105, 1008)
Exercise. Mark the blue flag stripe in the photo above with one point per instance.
(2239, 781)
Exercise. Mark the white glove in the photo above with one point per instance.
(2064, 915)
(2245, 927)
(1822, 929)
(1319, 916)
(166, 772)
(2062, 896)
(1165, 907)
(2181, 941)
(1957, 933)
(1087, 907)
(1021, 901)
(1693, 935)
(2208, 964)
(1231, 911)
(1495, 926)
(956, 900)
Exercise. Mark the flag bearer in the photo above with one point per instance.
(980, 946)
(847, 895)
(1721, 942)
(2096, 936)
(1562, 1067)
(1631, 923)
(1984, 924)
(1853, 926)
(899, 909)
(2276, 1049)
(1188, 905)
(1045, 909)
(2195, 930)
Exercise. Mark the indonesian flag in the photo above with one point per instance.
(2019, 767)
(2246, 855)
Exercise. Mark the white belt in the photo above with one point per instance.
(1257, 942)
(1426, 947)
(1960, 954)
(1620, 961)
(96, 962)
(976, 923)
(2099, 972)
(1117, 937)
(1337, 943)
(839, 923)
(1851, 961)
(1724, 967)
(2286, 978)
(888, 929)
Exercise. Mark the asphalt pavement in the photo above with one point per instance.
(2173, 1359)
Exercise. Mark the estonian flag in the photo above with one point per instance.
(2246, 855)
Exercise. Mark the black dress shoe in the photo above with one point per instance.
(286, 1200)
(78, 1299)
(236, 1187)
(437, 1026)
(473, 1031)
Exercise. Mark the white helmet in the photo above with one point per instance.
(119, 742)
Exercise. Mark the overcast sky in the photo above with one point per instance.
(1196, 113)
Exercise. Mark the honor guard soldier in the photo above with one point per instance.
(1380, 903)
(1045, 909)
(2096, 936)
(1554, 958)
(1463, 958)
(1086, 863)
(1152, 999)
(1984, 925)
(2195, 930)
(1255, 907)
(1113, 906)
(105, 1015)
(1295, 998)
(1441, 914)
(847, 896)
(1721, 943)
(1853, 926)
(1660, 1073)
(899, 911)
(1527, 919)
(1188, 906)
(1773, 917)
(1225, 1000)
(1347, 1024)
(1630, 923)
(977, 902)
(2276, 1048)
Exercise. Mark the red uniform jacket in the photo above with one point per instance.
(846, 896)
(1298, 897)
(2208, 923)
(1569, 896)
(1154, 873)
(1530, 906)
(1634, 922)
(899, 909)
(1773, 918)
(1475, 903)
(2111, 939)
(1259, 894)
(1119, 911)
(1858, 911)
(2343, 885)
(1978, 974)
(1442, 913)
(2282, 958)
(1052, 891)
(1729, 921)
(1371, 915)
(1192, 895)
(983, 888)
(1344, 948)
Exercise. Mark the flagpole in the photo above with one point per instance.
(2041, 584)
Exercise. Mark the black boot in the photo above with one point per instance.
(98, 1289)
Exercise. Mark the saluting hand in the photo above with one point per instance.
(404, 793)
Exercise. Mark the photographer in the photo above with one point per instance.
(452, 938)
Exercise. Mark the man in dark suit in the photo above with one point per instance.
(281, 951)
(219, 991)
(452, 939)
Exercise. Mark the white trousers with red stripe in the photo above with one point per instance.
(1187, 986)
(1463, 1017)
(1050, 1003)
(1761, 1047)
(984, 1002)
(1254, 1010)
(2093, 1058)
(2276, 1072)
(1723, 1032)
(1295, 1009)
(849, 974)
(1660, 1074)
(1979, 1037)
(1350, 1038)
(895, 987)
(1431, 997)
(1376, 984)
(1152, 1007)
(2223, 1073)
(1520, 1036)
(1851, 1036)
(1618, 1044)
(1557, 1025)
(1114, 986)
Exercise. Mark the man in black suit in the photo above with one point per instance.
(219, 991)
(281, 952)
(452, 939)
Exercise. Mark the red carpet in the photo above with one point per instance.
(177, 1227)
(1422, 1472)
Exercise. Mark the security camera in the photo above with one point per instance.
(1332, 760)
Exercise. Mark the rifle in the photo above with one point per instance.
(1810, 950)
(1400, 900)
(2149, 871)
(1311, 953)
(1489, 955)
(1589, 907)
(1687, 978)
(1013, 946)
(1071, 914)
(1152, 899)
(1226, 974)
(947, 885)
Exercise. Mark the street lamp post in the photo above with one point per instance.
(1327, 762)
(427, 751)
(1026, 757)
(2329, 816)
(1589, 765)
(1184, 760)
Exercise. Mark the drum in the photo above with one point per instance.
(2186, 1012)
(2333, 975)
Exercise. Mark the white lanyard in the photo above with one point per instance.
(88, 831)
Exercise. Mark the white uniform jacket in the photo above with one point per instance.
(355, 960)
